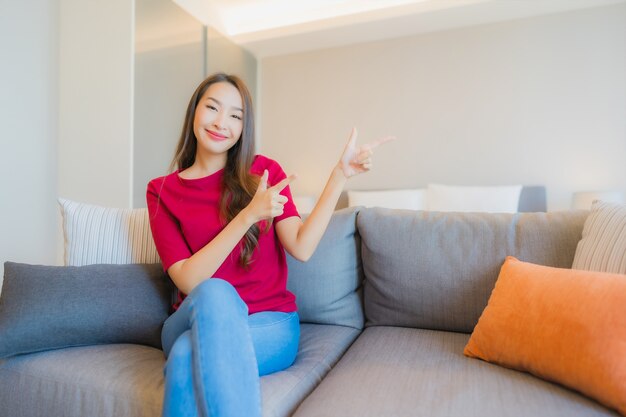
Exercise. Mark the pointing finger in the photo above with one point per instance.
(352, 138)
(281, 185)
(379, 142)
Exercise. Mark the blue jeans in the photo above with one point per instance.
(216, 353)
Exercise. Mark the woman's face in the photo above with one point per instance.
(218, 121)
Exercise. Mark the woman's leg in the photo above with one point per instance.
(275, 336)
(179, 393)
(224, 372)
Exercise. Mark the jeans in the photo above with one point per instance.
(216, 353)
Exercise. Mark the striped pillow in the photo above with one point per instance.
(101, 235)
(603, 244)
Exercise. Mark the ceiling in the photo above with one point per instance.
(277, 27)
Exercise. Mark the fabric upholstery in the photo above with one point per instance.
(321, 346)
(103, 235)
(400, 372)
(603, 244)
(50, 307)
(436, 270)
(100, 381)
(127, 380)
(532, 198)
(559, 324)
(328, 286)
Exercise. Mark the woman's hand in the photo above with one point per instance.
(356, 160)
(267, 203)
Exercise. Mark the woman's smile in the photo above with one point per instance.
(216, 136)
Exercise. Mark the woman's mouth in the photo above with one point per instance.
(216, 136)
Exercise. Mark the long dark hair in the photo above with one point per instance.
(238, 185)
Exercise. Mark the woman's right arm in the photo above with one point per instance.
(267, 203)
(187, 273)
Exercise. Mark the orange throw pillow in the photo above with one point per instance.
(562, 325)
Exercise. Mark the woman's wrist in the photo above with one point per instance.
(338, 174)
(247, 217)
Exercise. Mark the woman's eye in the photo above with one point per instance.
(211, 107)
(236, 116)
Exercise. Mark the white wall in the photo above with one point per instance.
(66, 120)
(532, 101)
(96, 101)
(28, 131)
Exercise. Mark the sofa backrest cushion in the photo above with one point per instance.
(328, 286)
(436, 270)
(51, 307)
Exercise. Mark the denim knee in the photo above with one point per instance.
(275, 336)
(180, 354)
(217, 296)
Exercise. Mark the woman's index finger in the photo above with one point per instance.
(379, 142)
(285, 182)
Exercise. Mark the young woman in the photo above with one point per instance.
(221, 223)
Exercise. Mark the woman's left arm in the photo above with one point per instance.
(299, 238)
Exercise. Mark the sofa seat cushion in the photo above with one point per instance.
(395, 372)
(127, 380)
(321, 347)
(103, 380)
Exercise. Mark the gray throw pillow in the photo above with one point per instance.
(50, 307)
(328, 286)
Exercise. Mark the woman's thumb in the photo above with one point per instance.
(263, 182)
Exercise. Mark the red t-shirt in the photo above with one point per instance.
(184, 217)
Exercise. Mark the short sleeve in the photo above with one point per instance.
(168, 237)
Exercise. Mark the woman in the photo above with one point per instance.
(221, 223)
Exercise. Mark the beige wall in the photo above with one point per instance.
(28, 132)
(96, 101)
(67, 117)
(533, 101)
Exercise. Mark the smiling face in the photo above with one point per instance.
(218, 120)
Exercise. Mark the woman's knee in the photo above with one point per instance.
(217, 295)
(180, 354)
(276, 338)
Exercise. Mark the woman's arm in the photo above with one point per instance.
(266, 204)
(299, 238)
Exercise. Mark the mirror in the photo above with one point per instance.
(174, 52)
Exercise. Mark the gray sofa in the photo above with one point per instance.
(387, 304)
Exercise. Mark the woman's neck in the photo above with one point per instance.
(204, 166)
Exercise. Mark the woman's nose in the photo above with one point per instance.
(219, 120)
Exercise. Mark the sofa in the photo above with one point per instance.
(387, 305)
